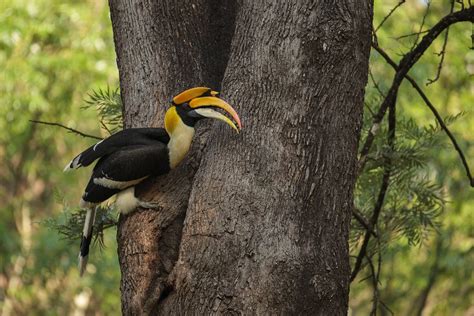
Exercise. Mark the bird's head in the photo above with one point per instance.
(199, 103)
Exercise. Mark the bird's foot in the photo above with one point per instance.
(148, 205)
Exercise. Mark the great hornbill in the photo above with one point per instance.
(132, 155)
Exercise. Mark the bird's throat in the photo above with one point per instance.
(181, 136)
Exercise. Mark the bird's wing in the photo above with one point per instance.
(120, 140)
(125, 168)
(133, 163)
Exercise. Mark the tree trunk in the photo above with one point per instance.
(255, 223)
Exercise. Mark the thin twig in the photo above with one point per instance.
(432, 277)
(389, 14)
(104, 126)
(376, 84)
(386, 307)
(379, 260)
(411, 34)
(442, 53)
(383, 190)
(375, 285)
(72, 130)
(379, 268)
(428, 4)
(438, 117)
(440, 64)
(368, 108)
(363, 221)
(406, 64)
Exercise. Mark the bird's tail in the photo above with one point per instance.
(86, 239)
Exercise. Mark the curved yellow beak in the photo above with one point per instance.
(192, 93)
(203, 104)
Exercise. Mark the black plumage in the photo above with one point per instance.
(122, 139)
(124, 157)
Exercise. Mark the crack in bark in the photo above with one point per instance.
(151, 69)
(164, 294)
(216, 56)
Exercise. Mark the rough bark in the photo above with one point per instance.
(162, 48)
(266, 216)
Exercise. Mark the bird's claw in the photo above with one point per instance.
(148, 205)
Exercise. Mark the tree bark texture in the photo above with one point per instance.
(255, 223)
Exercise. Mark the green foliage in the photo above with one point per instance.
(109, 106)
(51, 54)
(425, 227)
(70, 223)
(414, 201)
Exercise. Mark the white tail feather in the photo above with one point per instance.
(73, 164)
(82, 264)
(86, 239)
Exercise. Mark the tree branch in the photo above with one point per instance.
(428, 4)
(104, 126)
(363, 221)
(389, 14)
(375, 285)
(432, 278)
(387, 308)
(383, 189)
(72, 130)
(405, 65)
(411, 34)
(440, 64)
(442, 53)
(433, 110)
(376, 84)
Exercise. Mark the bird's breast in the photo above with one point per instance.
(179, 144)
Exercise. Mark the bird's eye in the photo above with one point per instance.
(185, 106)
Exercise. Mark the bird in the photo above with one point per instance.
(132, 155)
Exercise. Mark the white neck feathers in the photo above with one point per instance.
(181, 136)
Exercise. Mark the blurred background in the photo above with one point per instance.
(54, 54)
(426, 226)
